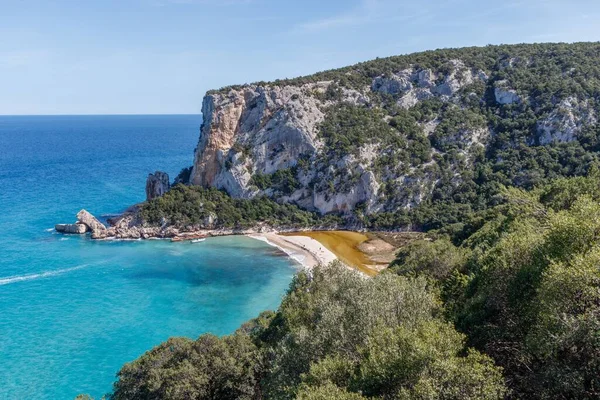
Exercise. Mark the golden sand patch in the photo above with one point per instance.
(345, 245)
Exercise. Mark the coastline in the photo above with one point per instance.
(365, 252)
(306, 251)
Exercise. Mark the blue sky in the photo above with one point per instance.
(160, 56)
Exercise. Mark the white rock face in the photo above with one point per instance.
(566, 121)
(414, 85)
(425, 78)
(96, 227)
(394, 84)
(261, 129)
(505, 95)
(414, 96)
(254, 129)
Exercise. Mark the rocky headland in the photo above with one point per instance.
(403, 143)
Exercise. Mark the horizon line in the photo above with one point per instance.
(97, 115)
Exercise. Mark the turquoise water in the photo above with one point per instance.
(73, 310)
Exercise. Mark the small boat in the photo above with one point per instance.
(198, 240)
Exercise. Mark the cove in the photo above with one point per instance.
(74, 310)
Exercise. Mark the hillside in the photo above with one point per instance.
(508, 308)
(420, 140)
(495, 148)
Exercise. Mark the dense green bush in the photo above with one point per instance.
(183, 176)
(191, 206)
(282, 180)
(435, 258)
(524, 286)
(208, 368)
(336, 335)
(347, 127)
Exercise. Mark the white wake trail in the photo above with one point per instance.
(20, 278)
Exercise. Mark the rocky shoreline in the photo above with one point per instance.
(128, 226)
(304, 250)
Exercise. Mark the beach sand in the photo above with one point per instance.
(307, 251)
(358, 250)
(368, 253)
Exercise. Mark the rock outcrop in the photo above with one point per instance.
(157, 184)
(254, 129)
(86, 222)
(504, 94)
(71, 228)
(261, 129)
(414, 85)
(444, 107)
(566, 121)
(96, 227)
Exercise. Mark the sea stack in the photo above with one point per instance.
(157, 184)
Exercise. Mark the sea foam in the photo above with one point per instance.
(28, 277)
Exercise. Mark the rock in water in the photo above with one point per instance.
(157, 184)
(71, 228)
(98, 229)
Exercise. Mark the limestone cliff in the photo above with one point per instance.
(261, 129)
(388, 134)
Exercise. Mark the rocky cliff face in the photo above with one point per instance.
(566, 121)
(262, 129)
(438, 119)
(157, 184)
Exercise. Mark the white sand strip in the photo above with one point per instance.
(307, 251)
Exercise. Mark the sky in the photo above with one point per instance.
(161, 56)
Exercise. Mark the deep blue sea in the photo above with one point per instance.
(73, 310)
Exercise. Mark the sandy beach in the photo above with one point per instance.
(307, 251)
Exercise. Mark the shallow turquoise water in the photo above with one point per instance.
(73, 310)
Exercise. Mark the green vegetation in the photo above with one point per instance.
(282, 180)
(193, 206)
(505, 304)
(335, 336)
(436, 259)
(208, 368)
(455, 122)
(349, 127)
(522, 282)
(502, 298)
(183, 176)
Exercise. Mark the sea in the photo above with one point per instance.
(74, 310)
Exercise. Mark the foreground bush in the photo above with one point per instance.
(208, 368)
(336, 335)
(527, 290)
